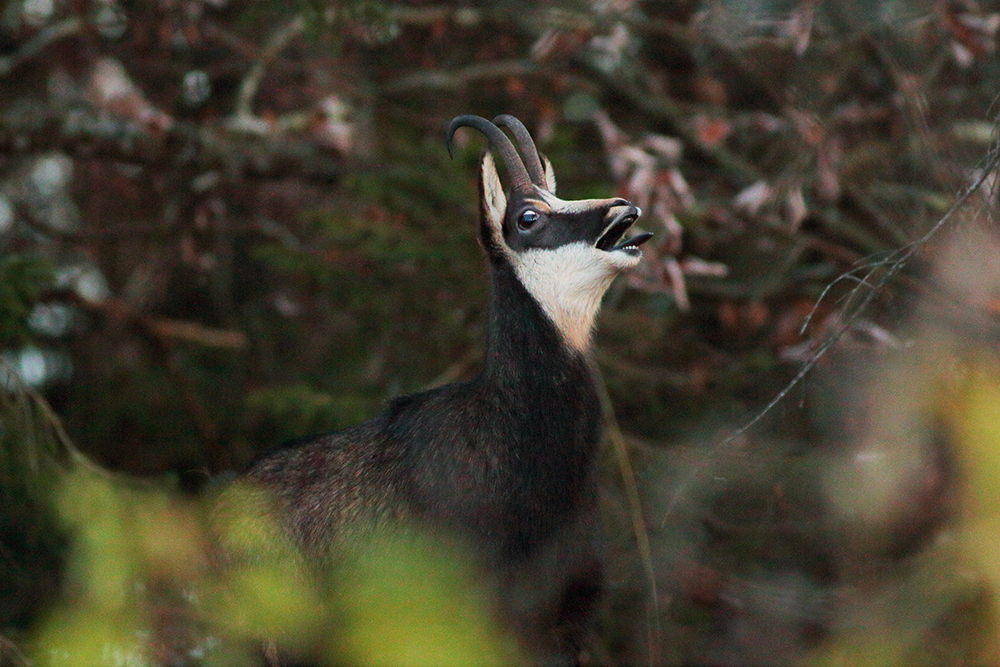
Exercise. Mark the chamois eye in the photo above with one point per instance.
(527, 219)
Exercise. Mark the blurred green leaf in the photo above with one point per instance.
(410, 602)
(81, 637)
(22, 278)
(975, 419)
(33, 456)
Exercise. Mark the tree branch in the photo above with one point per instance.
(459, 78)
(39, 42)
(88, 134)
(162, 329)
(251, 82)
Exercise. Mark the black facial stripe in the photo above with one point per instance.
(555, 230)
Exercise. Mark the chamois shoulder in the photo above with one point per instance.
(328, 484)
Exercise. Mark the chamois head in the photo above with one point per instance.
(565, 253)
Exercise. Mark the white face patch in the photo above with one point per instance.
(568, 282)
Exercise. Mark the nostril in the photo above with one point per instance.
(618, 201)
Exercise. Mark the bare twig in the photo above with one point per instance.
(130, 231)
(869, 286)
(39, 42)
(636, 513)
(459, 78)
(10, 651)
(459, 369)
(537, 17)
(660, 377)
(251, 82)
(165, 330)
(88, 134)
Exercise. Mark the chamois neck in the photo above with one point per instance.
(523, 344)
(568, 282)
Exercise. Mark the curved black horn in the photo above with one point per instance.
(529, 153)
(499, 142)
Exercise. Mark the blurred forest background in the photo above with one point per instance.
(224, 224)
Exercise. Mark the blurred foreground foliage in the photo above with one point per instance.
(148, 576)
(141, 574)
(22, 279)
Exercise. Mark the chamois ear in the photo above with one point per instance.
(492, 205)
(550, 174)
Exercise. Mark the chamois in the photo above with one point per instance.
(504, 461)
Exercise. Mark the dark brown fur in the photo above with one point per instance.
(505, 461)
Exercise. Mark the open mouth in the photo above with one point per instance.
(611, 239)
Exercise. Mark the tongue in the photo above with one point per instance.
(635, 241)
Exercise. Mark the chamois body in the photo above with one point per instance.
(505, 457)
(504, 461)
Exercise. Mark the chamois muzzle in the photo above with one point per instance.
(621, 221)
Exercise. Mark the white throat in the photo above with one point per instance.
(568, 282)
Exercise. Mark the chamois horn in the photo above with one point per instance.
(529, 153)
(499, 142)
